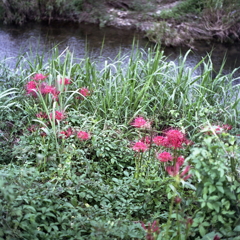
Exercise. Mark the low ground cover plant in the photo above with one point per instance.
(144, 150)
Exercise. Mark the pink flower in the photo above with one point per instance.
(67, 133)
(175, 138)
(226, 127)
(173, 170)
(189, 222)
(140, 122)
(59, 115)
(65, 81)
(55, 94)
(42, 115)
(151, 229)
(31, 88)
(180, 160)
(83, 135)
(47, 89)
(140, 147)
(146, 140)
(177, 200)
(32, 128)
(85, 92)
(184, 172)
(39, 77)
(164, 157)
(160, 141)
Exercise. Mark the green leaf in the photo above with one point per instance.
(220, 218)
(213, 198)
(212, 188)
(202, 230)
(220, 189)
(210, 205)
(237, 228)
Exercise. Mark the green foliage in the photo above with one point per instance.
(182, 9)
(216, 161)
(64, 207)
(21, 11)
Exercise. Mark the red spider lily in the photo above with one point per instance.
(146, 140)
(65, 81)
(226, 127)
(140, 122)
(151, 229)
(31, 88)
(177, 200)
(45, 89)
(175, 138)
(164, 157)
(140, 147)
(180, 160)
(189, 222)
(55, 94)
(85, 92)
(160, 141)
(174, 171)
(59, 115)
(66, 134)
(33, 128)
(83, 135)
(39, 77)
(42, 115)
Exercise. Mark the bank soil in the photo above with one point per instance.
(210, 25)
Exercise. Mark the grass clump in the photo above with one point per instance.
(141, 148)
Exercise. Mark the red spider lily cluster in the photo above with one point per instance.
(66, 134)
(58, 115)
(39, 77)
(140, 122)
(37, 86)
(172, 139)
(140, 146)
(84, 92)
(81, 135)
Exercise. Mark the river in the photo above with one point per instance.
(87, 39)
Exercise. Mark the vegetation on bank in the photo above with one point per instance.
(147, 149)
(171, 22)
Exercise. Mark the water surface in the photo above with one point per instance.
(87, 39)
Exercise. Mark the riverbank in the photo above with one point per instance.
(168, 22)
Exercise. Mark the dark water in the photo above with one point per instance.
(84, 39)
